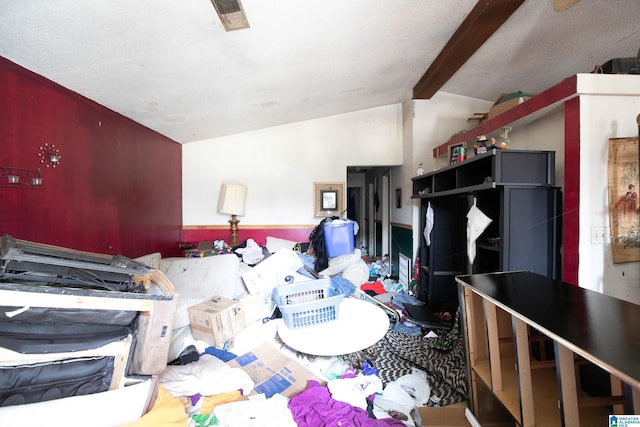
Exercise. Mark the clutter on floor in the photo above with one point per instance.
(303, 376)
(255, 344)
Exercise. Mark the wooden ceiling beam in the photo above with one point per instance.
(483, 20)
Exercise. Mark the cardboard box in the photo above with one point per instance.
(500, 108)
(444, 416)
(153, 338)
(273, 372)
(217, 320)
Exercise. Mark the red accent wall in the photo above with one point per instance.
(571, 217)
(118, 188)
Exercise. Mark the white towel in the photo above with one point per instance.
(477, 222)
(428, 224)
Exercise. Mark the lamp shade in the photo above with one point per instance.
(232, 199)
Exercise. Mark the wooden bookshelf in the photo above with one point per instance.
(576, 320)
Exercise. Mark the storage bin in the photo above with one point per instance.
(338, 238)
(308, 303)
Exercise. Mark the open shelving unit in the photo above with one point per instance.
(487, 171)
(505, 313)
(515, 189)
(569, 96)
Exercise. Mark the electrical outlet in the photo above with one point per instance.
(600, 235)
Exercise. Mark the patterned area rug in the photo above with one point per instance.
(442, 358)
(395, 355)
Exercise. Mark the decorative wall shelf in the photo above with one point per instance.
(522, 114)
(20, 177)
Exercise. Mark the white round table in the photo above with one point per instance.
(360, 324)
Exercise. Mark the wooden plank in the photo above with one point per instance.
(120, 365)
(567, 388)
(590, 402)
(494, 345)
(616, 390)
(471, 326)
(29, 299)
(483, 20)
(509, 394)
(525, 387)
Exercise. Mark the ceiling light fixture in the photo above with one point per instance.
(231, 14)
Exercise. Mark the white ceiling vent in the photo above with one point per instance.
(231, 14)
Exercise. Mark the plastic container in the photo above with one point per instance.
(308, 303)
(339, 238)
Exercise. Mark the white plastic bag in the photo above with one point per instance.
(477, 222)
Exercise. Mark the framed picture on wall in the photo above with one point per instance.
(328, 199)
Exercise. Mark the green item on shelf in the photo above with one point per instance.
(512, 95)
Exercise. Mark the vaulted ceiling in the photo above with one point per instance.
(171, 66)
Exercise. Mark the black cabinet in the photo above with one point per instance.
(515, 188)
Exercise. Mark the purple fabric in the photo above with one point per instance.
(195, 398)
(314, 407)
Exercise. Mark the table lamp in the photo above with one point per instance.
(231, 202)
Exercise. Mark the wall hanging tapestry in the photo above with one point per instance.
(624, 210)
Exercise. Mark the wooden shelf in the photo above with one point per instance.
(509, 395)
(548, 101)
(545, 396)
(527, 112)
(539, 392)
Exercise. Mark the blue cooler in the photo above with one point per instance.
(338, 238)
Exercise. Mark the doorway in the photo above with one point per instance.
(368, 203)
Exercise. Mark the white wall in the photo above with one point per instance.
(401, 176)
(546, 133)
(279, 165)
(603, 117)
